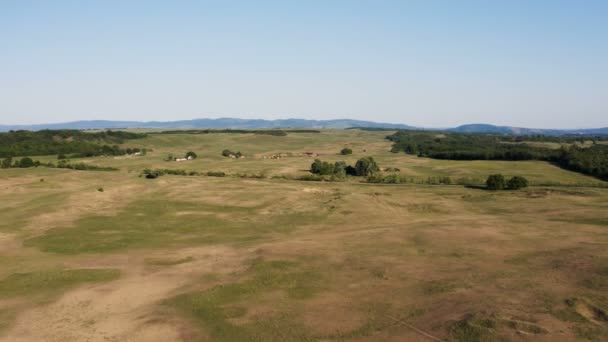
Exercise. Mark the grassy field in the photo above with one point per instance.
(269, 259)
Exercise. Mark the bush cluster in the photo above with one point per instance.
(23, 163)
(154, 173)
(63, 164)
(402, 179)
(498, 182)
(364, 167)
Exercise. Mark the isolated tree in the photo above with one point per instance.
(517, 182)
(346, 151)
(26, 162)
(315, 167)
(495, 182)
(339, 169)
(366, 166)
(191, 154)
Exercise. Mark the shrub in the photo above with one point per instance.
(7, 163)
(517, 182)
(63, 164)
(191, 154)
(216, 174)
(100, 189)
(175, 172)
(495, 182)
(228, 153)
(250, 175)
(61, 156)
(445, 180)
(346, 151)
(26, 162)
(311, 178)
(366, 166)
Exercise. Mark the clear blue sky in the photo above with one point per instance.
(427, 63)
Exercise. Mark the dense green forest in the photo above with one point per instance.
(573, 155)
(67, 142)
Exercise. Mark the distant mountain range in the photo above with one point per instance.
(221, 123)
(484, 128)
(224, 123)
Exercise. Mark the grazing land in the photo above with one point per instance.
(245, 250)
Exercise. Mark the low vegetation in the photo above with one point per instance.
(216, 308)
(42, 284)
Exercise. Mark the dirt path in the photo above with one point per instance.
(121, 310)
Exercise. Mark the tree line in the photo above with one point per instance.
(27, 162)
(592, 160)
(64, 142)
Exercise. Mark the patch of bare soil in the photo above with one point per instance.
(332, 314)
(122, 310)
(9, 242)
(591, 312)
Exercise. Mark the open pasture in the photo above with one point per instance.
(189, 258)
